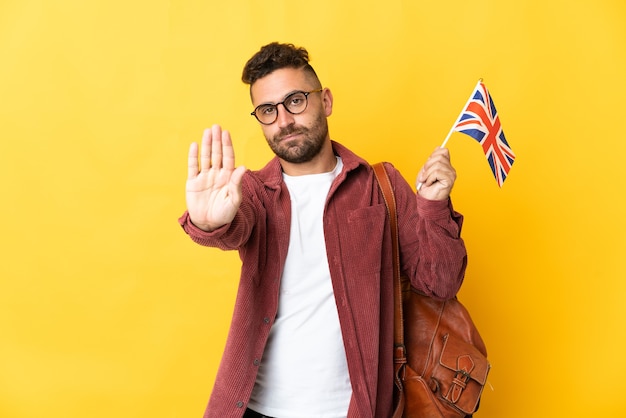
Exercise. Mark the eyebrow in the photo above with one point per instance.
(284, 97)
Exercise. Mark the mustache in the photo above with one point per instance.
(289, 130)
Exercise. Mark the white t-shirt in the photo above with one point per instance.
(304, 373)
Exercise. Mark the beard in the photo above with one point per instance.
(304, 149)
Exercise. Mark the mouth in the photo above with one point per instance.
(289, 136)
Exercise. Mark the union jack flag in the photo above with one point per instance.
(480, 120)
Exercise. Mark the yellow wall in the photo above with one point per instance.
(108, 310)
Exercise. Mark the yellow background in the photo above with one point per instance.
(107, 309)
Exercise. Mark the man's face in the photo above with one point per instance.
(294, 138)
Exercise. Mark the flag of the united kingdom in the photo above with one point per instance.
(480, 120)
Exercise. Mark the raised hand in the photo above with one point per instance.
(437, 176)
(213, 189)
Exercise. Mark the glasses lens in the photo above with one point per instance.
(266, 113)
(296, 102)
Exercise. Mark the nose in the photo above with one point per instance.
(283, 117)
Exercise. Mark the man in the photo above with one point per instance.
(312, 330)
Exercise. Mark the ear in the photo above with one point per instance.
(327, 101)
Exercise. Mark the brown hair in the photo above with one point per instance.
(275, 56)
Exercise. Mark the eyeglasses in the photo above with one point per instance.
(295, 104)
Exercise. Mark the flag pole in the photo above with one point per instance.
(445, 141)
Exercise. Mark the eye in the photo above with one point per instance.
(266, 110)
(296, 99)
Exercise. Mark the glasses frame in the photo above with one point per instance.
(275, 105)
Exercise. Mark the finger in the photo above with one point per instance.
(439, 157)
(426, 170)
(437, 173)
(228, 158)
(238, 175)
(216, 146)
(192, 161)
(205, 152)
(446, 176)
(444, 152)
(429, 179)
(440, 169)
(443, 166)
(235, 184)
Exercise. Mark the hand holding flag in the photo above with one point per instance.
(437, 175)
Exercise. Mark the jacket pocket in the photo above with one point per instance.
(361, 240)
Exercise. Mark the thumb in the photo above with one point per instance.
(234, 185)
(237, 175)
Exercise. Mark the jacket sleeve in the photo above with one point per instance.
(432, 252)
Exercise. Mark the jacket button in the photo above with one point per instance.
(266, 320)
(239, 404)
(256, 362)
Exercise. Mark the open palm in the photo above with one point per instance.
(214, 187)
